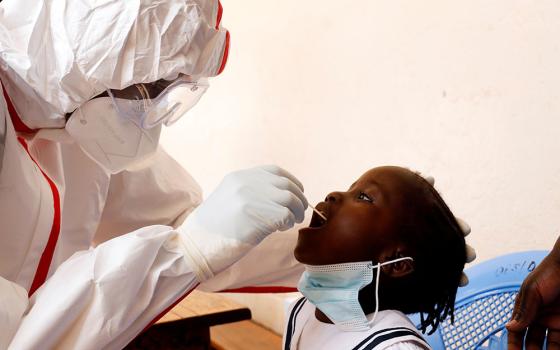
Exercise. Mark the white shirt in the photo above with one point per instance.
(392, 330)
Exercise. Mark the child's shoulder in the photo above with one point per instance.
(391, 319)
(295, 313)
(391, 329)
(298, 304)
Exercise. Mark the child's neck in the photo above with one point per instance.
(320, 316)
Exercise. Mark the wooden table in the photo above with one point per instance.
(187, 325)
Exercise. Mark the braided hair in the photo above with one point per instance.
(439, 254)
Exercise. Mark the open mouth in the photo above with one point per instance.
(316, 220)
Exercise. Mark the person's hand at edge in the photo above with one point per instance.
(536, 313)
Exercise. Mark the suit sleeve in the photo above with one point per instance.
(270, 267)
(104, 297)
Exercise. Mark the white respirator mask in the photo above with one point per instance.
(121, 131)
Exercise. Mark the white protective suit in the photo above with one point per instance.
(57, 288)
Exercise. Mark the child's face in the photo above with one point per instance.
(360, 222)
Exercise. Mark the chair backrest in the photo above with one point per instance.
(484, 306)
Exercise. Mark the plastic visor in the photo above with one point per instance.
(171, 101)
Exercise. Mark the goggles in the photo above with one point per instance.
(160, 102)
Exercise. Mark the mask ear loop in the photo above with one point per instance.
(378, 274)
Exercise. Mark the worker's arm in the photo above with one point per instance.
(164, 193)
(278, 271)
(537, 307)
(102, 298)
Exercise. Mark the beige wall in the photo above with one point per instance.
(465, 90)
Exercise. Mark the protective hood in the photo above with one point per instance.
(57, 54)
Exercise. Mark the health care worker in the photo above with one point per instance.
(75, 119)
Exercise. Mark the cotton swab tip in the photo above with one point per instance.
(318, 212)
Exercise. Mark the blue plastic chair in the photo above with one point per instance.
(484, 306)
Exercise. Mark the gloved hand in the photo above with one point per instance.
(536, 313)
(246, 207)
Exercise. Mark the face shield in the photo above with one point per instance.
(120, 130)
(160, 102)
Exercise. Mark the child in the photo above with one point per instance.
(392, 217)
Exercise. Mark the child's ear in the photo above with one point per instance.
(397, 269)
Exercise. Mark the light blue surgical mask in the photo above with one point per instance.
(334, 290)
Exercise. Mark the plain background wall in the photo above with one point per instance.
(467, 91)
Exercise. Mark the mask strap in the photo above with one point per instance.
(378, 273)
(145, 95)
